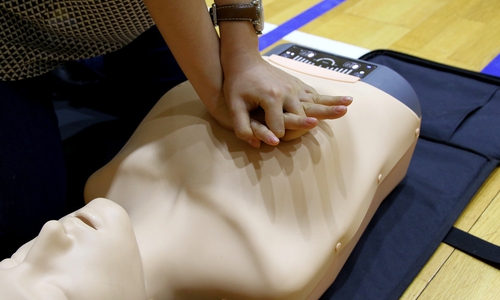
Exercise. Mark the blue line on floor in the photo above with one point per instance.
(493, 68)
(295, 23)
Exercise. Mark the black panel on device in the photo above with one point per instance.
(376, 75)
(325, 60)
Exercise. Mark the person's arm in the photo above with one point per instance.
(223, 76)
(186, 27)
(250, 82)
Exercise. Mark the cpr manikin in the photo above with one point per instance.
(216, 219)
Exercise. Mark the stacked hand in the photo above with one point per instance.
(265, 104)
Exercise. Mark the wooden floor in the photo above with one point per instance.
(461, 33)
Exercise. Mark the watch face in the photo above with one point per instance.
(259, 23)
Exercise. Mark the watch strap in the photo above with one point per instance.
(237, 12)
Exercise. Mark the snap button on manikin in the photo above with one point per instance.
(337, 247)
(379, 178)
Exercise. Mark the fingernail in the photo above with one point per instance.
(274, 140)
(347, 99)
(340, 109)
(310, 120)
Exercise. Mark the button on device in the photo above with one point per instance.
(326, 61)
(351, 64)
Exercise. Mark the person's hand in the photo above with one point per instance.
(317, 107)
(290, 106)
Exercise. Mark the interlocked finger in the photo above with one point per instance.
(327, 107)
(263, 133)
(330, 100)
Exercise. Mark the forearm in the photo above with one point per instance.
(186, 27)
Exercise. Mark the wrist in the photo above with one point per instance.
(238, 43)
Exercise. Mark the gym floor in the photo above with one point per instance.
(460, 33)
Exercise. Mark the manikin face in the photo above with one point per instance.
(89, 254)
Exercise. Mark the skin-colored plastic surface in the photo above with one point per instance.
(89, 254)
(217, 219)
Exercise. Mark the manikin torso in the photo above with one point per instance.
(217, 219)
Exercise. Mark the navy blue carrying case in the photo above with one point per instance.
(458, 148)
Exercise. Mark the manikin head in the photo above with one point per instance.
(91, 253)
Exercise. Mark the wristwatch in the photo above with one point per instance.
(252, 12)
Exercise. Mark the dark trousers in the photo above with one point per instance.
(40, 179)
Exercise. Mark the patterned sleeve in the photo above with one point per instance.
(36, 36)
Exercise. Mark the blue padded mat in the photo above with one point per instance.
(458, 148)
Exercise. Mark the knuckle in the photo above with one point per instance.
(242, 134)
(316, 98)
